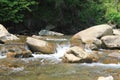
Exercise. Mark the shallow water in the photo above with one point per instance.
(50, 67)
(35, 70)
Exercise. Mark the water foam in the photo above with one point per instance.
(57, 55)
(102, 65)
(1, 57)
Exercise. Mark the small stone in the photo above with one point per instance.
(106, 78)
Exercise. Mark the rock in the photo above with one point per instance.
(8, 37)
(77, 54)
(94, 32)
(15, 50)
(5, 35)
(115, 55)
(76, 42)
(37, 45)
(90, 35)
(91, 47)
(109, 56)
(23, 54)
(110, 60)
(112, 41)
(105, 78)
(116, 31)
(49, 33)
(3, 31)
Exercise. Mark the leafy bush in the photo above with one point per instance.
(13, 10)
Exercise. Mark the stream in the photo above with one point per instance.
(51, 67)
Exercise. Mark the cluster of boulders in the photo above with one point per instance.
(10, 45)
(94, 38)
(82, 49)
(14, 49)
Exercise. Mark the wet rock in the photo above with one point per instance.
(93, 34)
(112, 41)
(109, 56)
(37, 45)
(49, 33)
(5, 35)
(115, 55)
(8, 37)
(91, 46)
(15, 48)
(105, 78)
(77, 54)
(110, 60)
(23, 54)
(76, 42)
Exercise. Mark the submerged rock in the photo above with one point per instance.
(77, 54)
(109, 56)
(37, 45)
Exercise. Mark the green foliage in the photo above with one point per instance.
(112, 11)
(13, 10)
(70, 12)
(77, 14)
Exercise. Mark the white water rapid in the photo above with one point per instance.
(57, 55)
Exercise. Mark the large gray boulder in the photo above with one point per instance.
(5, 35)
(49, 33)
(37, 45)
(112, 41)
(77, 54)
(93, 34)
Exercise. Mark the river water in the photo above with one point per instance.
(50, 67)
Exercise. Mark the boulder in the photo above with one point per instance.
(5, 35)
(3, 31)
(116, 31)
(8, 37)
(49, 33)
(37, 45)
(93, 34)
(77, 54)
(111, 42)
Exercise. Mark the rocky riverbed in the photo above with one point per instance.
(59, 57)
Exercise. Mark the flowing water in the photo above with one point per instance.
(50, 67)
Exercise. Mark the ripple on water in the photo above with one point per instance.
(17, 69)
(101, 65)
